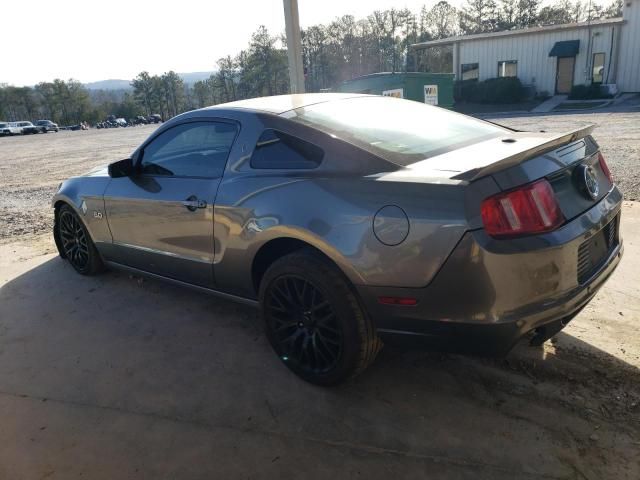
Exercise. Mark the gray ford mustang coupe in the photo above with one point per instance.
(356, 219)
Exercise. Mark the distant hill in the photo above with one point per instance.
(116, 84)
(109, 85)
(194, 77)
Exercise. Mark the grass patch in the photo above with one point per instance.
(471, 107)
(580, 105)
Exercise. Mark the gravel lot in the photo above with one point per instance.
(618, 134)
(32, 167)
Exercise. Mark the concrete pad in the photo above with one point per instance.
(550, 104)
(118, 377)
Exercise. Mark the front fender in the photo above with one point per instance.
(85, 196)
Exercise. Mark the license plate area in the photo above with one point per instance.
(594, 252)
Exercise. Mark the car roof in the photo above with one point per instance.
(283, 103)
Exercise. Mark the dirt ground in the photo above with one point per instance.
(118, 377)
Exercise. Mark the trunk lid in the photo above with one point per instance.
(496, 154)
(583, 182)
(518, 158)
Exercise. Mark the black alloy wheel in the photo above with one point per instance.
(314, 320)
(304, 325)
(74, 242)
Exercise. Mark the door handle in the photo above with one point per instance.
(192, 203)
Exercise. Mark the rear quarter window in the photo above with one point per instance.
(278, 150)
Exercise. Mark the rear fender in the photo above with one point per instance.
(343, 217)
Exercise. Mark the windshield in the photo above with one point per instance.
(401, 131)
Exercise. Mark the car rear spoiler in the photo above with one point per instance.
(547, 143)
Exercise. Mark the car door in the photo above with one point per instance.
(161, 217)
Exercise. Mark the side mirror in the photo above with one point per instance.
(121, 168)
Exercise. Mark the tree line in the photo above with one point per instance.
(345, 48)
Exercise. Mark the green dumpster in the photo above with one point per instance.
(431, 88)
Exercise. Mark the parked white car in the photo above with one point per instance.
(10, 128)
(26, 127)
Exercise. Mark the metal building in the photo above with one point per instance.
(553, 58)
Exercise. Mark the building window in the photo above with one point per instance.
(470, 71)
(508, 68)
(598, 68)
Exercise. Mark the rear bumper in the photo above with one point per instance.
(490, 293)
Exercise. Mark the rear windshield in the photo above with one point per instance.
(401, 131)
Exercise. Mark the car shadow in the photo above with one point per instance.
(147, 348)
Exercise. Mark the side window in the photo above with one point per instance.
(508, 68)
(598, 67)
(196, 149)
(470, 71)
(278, 150)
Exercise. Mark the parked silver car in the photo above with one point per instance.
(353, 219)
(46, 126)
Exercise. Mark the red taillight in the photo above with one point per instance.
(529, 209)
(604, 167)
(403, 301)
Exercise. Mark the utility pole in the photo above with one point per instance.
(294, 46)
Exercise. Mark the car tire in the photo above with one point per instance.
(314, 320)
(75, 244)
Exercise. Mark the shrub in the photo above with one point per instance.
(492, 90)
(462, 90)
(588, 92)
